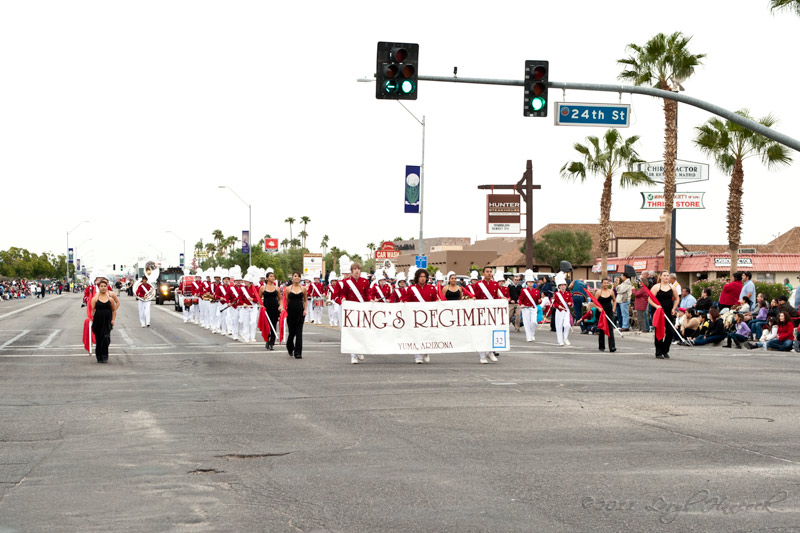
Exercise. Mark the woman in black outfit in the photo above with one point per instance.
(453, 290)
(104, 313)
(667, 299)
(272, 305)
(297, 300)
(606, 298)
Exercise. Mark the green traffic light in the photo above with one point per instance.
(390, 86)
(407, 86)
(538, 103)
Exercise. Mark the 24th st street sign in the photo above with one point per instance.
(572, 114)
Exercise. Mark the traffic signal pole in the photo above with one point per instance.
(745, 122)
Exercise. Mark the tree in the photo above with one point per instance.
(285, 243)
(303, 236)
(290, 221)
(663, 62)
(615, 155)
(371, 248)
(305, 221)
(336, 253)
(218, 237)
(730, 144)
(557, 246)
(198, 246)
(210, 248)
(295, 243)
(397, 239)
(785, 5)
(324, 245)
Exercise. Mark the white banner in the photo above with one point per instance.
(455, 326)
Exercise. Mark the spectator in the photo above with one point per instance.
(716, 330)
(673, 280)
(578, 288)
(704, 303)
(785, 334)
(687, 300)
(514, 313)
(760, 319)
(690, 325)
(641, 298)
(741, 334)
(788, 285)
(588, 322)
(731, 292)
(748, 288)
(768, 332)
(773, 309)
(784, 307)
(624, 290)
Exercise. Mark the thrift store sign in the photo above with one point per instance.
(429, 327)
(682, 200)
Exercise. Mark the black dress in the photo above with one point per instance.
(295, 319)
(271, 305)
(452, 295)
(666, 299)
(607, 303)
(101, 327)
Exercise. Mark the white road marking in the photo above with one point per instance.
(42, 354)
(125, 337)
(49, 339)
(28, 307)
(24, 332)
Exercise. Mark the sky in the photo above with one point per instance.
(131, 115)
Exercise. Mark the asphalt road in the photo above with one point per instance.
(188, 431)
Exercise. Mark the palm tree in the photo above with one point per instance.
(397, 239)
(305, 221)
(227, 245)
(285, 243)
(730, 144)
(785, 5)
(335, 252)
(371, 247)
(290, 221)
(295, 243)
(198, 246)
(218, 236)
(324, 245)
(663, 62)
(303, 236)
(211, 248)
(615, 155)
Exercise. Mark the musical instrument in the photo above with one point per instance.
(152, 272)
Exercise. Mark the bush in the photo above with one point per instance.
(770, 290)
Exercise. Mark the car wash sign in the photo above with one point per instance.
(502, 213)
(681, 200)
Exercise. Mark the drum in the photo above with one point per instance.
(317, 302)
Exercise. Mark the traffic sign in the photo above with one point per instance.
(572, 114)
(421, 261)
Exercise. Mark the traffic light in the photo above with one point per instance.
(536, 76)
(121, 267)
(396, 73)
(114, 266)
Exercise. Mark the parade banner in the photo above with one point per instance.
(70, 256)
(413, 181)
(182, 260)
(430, 327)
(245, 242)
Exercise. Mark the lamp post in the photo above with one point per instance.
(70, 231)
(421, 166)
(184, 245)
(250, 221)
(160, 256)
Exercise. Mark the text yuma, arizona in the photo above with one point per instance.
(426, 318)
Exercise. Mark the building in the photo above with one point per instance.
(455, 253)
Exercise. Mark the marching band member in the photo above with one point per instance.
(233, 303)
(469, 290)
(529, 299)
(296, 299)
(317, 300)
(197, 292)
(256, 309)
(562, 300)
(354, 289)
(486, 289)
(221, 295)
(439, 277)
(452, 290)
(208, 295)
(380, 290)
(144, 305)
(270, 298)
(420, 291)
(400, 289)
(104, 312)
(502, 290)
(184, 289)
(334, 290)
(245, 305)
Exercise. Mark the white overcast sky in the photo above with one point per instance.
(131, 114)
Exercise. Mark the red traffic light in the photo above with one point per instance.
(539, 72)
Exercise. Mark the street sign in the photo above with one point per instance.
(202, 254)
(682, 200)
(502, 213)
(421, 261)
(574, 114)
(270, 245)
(387, 251)
(685, 171)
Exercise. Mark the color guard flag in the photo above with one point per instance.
(412, 187)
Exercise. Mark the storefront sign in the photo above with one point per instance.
(681, 200)
(387, 251)
(502, 213)
(685, 171)
(640, 265)
(599, 268)
(312, 265)
(742, 262)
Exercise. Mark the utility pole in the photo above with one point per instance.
(526, 186)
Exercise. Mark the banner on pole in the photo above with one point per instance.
(245, 242)
(70, 256)
(413, 182)
(431, 327)
(183, 260)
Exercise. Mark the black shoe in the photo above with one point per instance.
(291, 354)
(266, 346)
(659, 356)
(612, 350)
(665, 356)
(750, 346)
(298, 356)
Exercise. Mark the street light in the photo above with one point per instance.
(75, 252)
(421, 166)
(160, 255)
(184, 244)
(70, 231)
(250, 221)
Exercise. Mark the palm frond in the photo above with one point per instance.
(634, 179)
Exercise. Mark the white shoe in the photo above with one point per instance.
(353, 360)
(484, 361)
(533, 337)
(491, 357)
(561, 344)
(567, 343)
(529, 340)
(418, 361)
(426, 358)
(360, 357)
